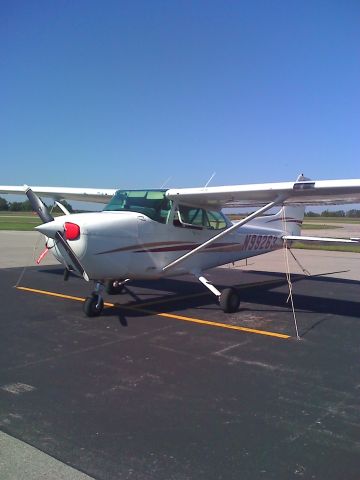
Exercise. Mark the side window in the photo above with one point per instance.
(188, 217)
(198, 218)
(216, 220)
(195, 217)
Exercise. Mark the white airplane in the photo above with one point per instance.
(150, 234)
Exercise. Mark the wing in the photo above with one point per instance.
(59, 193)
(320, 192)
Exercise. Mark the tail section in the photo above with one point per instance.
(288, 219)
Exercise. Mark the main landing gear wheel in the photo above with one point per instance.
(113, 287)
(93, 305)
(229, 300)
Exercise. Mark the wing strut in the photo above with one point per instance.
(233, 227)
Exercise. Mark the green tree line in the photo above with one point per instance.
(352, 213)
(25, 206)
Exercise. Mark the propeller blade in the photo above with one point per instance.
(38, 206)
(75, 261)
(46, 217)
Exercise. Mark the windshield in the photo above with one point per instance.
(151, 203)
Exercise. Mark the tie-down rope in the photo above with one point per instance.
(288, 275)
(305, 271)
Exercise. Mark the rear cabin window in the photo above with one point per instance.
(151, 203)
(199, 218)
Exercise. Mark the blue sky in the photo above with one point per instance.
(129, 93)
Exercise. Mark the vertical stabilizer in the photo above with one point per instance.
(289, 219)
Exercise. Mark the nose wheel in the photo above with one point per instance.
(94, 304)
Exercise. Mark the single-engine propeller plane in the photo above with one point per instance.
(150, 234)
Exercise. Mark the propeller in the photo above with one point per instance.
(40, 208)
(75, 261)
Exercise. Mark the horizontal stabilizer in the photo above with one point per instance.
(300, 238)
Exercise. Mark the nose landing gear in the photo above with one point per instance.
(94, 304)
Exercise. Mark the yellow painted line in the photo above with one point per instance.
(166, 315)
(59, 295)
(224, 325)
(210, 323)
(52, 294)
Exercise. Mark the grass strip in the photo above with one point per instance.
(327, 247)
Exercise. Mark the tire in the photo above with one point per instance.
(229, 300)
(112, 290)
(93, 306)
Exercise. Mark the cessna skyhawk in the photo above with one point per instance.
(150, 234)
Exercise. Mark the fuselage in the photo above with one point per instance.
(116, 244)
(141, 231)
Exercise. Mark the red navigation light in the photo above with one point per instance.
(72, 231)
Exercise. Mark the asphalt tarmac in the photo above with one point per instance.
(164, 385)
